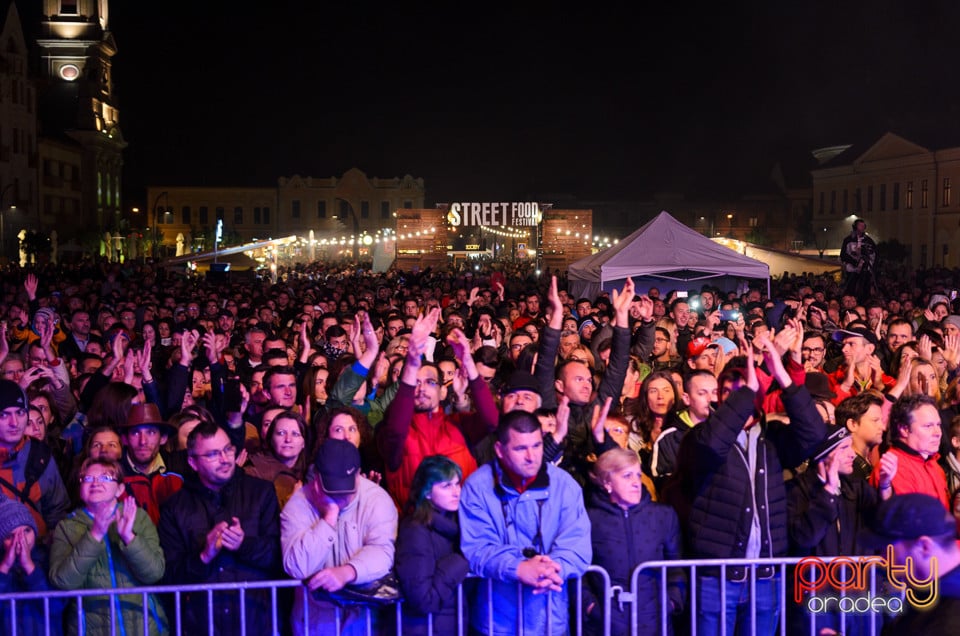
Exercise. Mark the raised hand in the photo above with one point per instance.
(422, 329)
(125, 519)
(556, 306)
(145, 361)
(599, 419)
(622, 302)
(563, 419)
(30, 284)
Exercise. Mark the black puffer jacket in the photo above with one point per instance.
(430, 567)
(622, 540)
(185, 520)
(715, 469)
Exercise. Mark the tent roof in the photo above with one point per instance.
(666, 247)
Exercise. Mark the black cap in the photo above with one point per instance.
(834, 438)
(338, 465)
(907, 517)
(842, 334)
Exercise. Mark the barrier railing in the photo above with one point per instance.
(696, 568)
(604, 593)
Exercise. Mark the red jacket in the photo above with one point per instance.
(405, 438)
(916, 474)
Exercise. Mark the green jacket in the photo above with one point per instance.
(78, 561)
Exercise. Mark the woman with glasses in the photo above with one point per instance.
(108, 542)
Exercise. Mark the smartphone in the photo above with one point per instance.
(232, 398)
(730, 315)
(682, 294)
(953, 294)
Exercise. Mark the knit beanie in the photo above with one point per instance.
(14, 514)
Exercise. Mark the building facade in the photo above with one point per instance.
(18, 135)
(352, 205)
(78, 107)
(903, 191)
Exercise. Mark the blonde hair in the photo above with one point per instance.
(612, 461)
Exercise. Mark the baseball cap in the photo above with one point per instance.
(907, 517)
(11, 395)
(337, 464)
(834, 438)
(857, 332)
(698, 345)
(728, 345)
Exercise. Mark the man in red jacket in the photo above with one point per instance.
(912, 463)
(416, 426)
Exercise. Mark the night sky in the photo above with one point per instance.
(488, 104)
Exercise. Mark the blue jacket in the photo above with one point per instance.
(494, 547)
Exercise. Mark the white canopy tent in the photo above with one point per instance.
(664, 253)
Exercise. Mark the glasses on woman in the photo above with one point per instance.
(97, 479)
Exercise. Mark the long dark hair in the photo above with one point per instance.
(642, 419)
(432, 471)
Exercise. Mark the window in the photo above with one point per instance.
(896, 196)
(823, 198)
(68, 7)
(857, 200)
(408, 205)
(924, 193)
(185, 215)
(923, 256)
(870, 198)
(219, 213)
(364, 209)
(846, 201)
(295, 208)
(266, 216)
(753, 221)
(256, 216)
(946, 191)
(909, 201)
(321, 209)
(238, 215)
(833, 202)
(883, 197)
(204, 217)
(344, 210)
(384, 209)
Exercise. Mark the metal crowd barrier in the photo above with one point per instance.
(691, 567)
(783, 567)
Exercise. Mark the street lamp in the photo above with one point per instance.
(13, 206)
(155, 221)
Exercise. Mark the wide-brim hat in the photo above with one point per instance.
(146, 415)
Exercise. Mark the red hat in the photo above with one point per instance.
(697, 346)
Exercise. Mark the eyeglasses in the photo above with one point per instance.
(661, 339)
(227, 452)
(428, 382)
(619, 430)
(812, 349)
(97, 479)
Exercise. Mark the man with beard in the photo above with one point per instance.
(148, 473)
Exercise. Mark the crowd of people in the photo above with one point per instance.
(371, 432)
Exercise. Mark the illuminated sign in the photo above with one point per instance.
(496, 214)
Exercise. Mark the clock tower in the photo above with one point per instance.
(76, 95)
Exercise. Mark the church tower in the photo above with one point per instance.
(76, 96)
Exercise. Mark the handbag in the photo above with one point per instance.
(382, 591)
